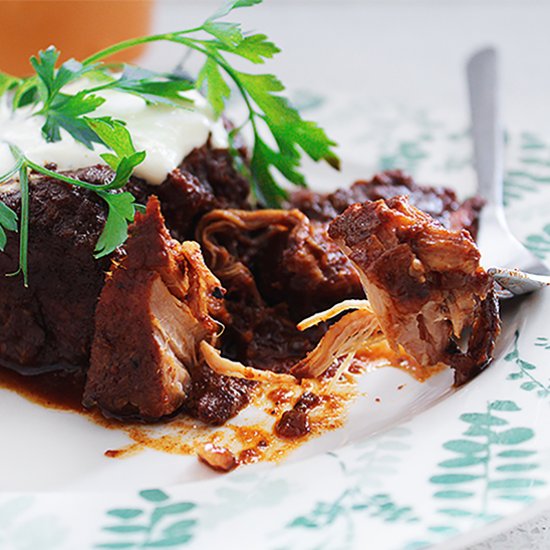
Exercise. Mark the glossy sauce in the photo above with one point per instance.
(54, 390)
(324, 402)
(381, 354)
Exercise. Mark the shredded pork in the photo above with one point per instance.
(347, 336)
(159, 302)
(424, 283)
(227, 367)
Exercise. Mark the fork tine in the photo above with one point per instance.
(517, 282)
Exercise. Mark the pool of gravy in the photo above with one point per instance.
(62, 390)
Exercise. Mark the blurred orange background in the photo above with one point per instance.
(76, 27)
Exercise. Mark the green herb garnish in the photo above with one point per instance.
(280, 134)
(122, 205)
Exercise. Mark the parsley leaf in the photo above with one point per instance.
(125, 169)
(44, 66)
(113, 134)
(66, 112)
(228, 34)
(8, 222)
(24, 224)
(217, 90)
(153, 88)
(256, 48)
(52, 80)
(266, 188)
(121, 212)
(123, 160)
(232, 5)
(7, 82)
(26, 92)
(63, 110)
(286, 124)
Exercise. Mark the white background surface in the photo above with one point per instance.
(409, 51)
(398, 49)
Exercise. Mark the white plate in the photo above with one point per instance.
(424, 465)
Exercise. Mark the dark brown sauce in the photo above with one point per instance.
(63, 390)
(60, 390)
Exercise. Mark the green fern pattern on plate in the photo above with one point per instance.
(160, 523)
(542, 342)
(489, 462)
(539, 243)
(379, 457)
(342, 513)
(531, 170)
(335, 520)
(525, 371)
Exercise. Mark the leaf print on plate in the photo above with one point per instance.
(333, 523)
(525, 371)
(161, 523)
(530, 166)
(379, 457)
(486, 465)
(336, 520)
(240, 493)
(489, 464)
(350, 501)
(539, 243)
(542, 342)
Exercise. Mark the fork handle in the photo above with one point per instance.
(487, 131)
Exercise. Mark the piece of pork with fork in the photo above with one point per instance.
(424, 283)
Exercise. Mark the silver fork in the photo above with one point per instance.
(519, 270)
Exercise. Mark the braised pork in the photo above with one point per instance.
(205, 180)
(424, 283)
(158, 303)
(277, 267)
(440, 202)
(51, 323)
(290, 259)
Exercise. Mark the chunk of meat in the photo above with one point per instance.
(424, 283)
(276, 267)
(304, 268)
(292, 425)
(440, 202)
(291, 259)
(159, 302)
(51, 323)
(214, 398)
(205, 180)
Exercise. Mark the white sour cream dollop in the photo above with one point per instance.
(166, 133)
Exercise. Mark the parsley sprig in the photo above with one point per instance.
(290, 134)
(121, 205)
(280, 135)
